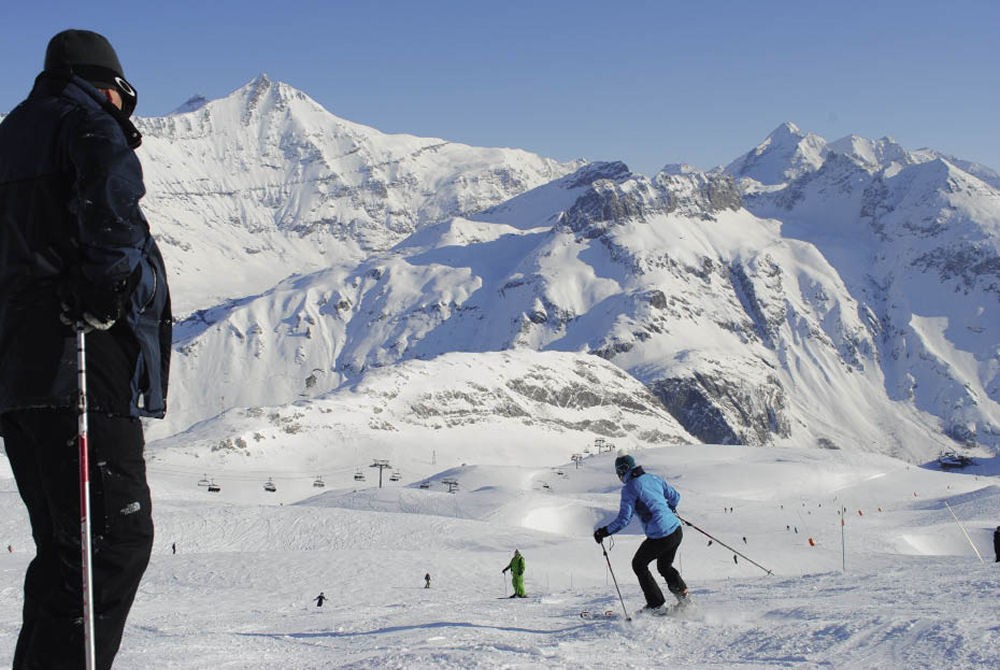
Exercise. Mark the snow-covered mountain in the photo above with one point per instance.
(915, 237)
(245, 190)
(813, 311)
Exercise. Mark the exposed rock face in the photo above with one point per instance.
(616, 196)
(721, 410)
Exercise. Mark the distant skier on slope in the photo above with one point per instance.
(427, 580)
(516, 567)
(656, 503)
(320, 599)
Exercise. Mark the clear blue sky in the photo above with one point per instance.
(647, 82)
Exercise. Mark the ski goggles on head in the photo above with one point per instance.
(130, 98)
(102, 77)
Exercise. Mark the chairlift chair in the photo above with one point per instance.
(318, 482)
(203, 481)
(213, 487)
(269, 486)
(394, 477)
(359, 476)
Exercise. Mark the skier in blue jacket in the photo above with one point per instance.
(656, 502)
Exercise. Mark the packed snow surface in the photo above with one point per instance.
(898, 585)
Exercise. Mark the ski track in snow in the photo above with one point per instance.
(238, 594)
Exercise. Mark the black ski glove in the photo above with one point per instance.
(98, 307)
(600, 534)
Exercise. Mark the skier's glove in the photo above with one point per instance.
(98, 307)
(600, 534)
(69, 316)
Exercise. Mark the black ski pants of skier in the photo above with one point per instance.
(662, 550)
(43, 451)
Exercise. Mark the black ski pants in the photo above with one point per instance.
(662, 550)
(42, 447)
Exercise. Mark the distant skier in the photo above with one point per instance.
(656, 502)
(320, 599)
(996, 543)
(427, 580)
(516, 567)
(173, 547)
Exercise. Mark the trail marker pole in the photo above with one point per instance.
(969, 539)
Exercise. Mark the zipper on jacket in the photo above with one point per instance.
(152, 296)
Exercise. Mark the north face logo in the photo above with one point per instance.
(131, 508)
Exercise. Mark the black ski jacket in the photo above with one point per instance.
(70, 185)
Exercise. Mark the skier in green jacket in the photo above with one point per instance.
(516, 567)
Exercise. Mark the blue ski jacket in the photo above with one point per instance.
(653, 499)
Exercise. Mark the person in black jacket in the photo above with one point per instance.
(996, 543)
(76, 248)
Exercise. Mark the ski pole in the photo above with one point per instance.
(962, 528)
(685, 521)
(627, 617)
(85, 544)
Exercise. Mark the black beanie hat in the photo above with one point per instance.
(92, 57)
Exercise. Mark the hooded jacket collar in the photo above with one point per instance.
(55, 82)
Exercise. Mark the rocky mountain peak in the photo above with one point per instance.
(785, 154)
(192, 104)
(871, 154)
